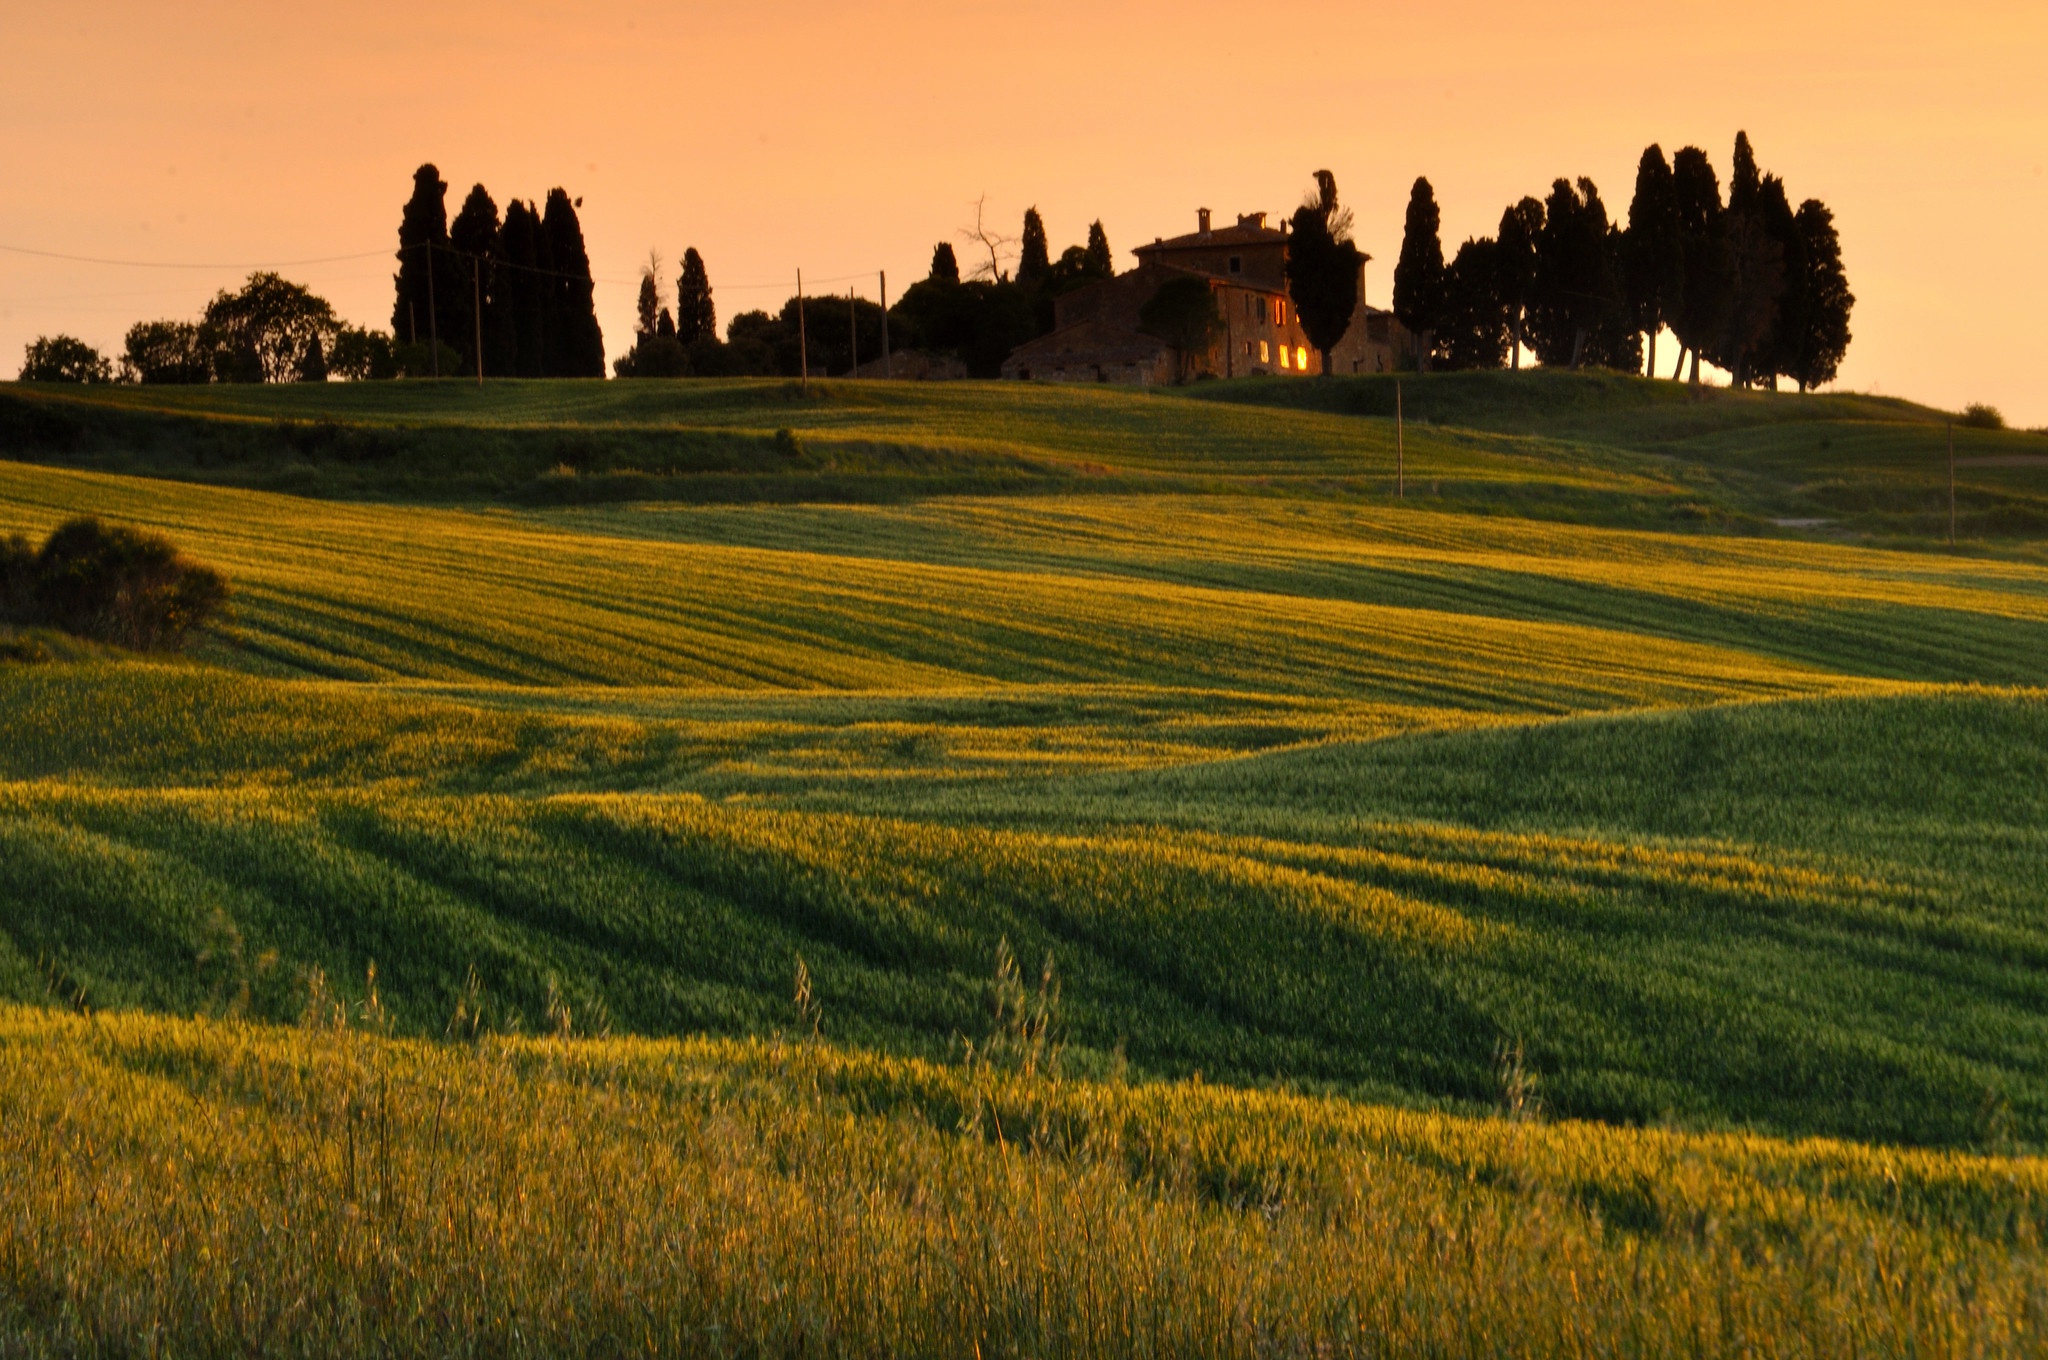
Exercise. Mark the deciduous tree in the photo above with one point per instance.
(64, 358)
(262, 333)
(166, 352)
(1185, 314)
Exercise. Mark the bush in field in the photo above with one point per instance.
(110, 584)
(1978, 416)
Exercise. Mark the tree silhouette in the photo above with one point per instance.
(945, 265)
(263, 332)
(647, 306)
(473, 242)
(1655, 255)
(165, 352)
(523, 289)
(1575, 291)
(1474, 323)
(1824, 334)
(1419, 273)
(423, 227)
(1703, 243)
(1099, 263)
(63, 358)
(1034, 260)
(574, 344)
(1514, 260)
(1323, 267)
(696, 318)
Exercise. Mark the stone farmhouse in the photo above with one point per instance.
(1095, 335)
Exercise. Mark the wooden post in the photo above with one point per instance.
(888, 370)
(803, 348)
(477, 276)
(853, 320)
(1400, 453)
(1951, 483)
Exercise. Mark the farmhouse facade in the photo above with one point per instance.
(1096, 335)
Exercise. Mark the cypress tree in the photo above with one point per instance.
(1702, 239)
(945, 265)
(1575, 292)
(313, 363)
(1474, 324)
(422, 227)
(1655, 272)
(1098, 262)
(1514, 262)
(1754, 272)
(473, 239)
(1323, 267)
(1824, 334)
(523, 291)
(1744, 182)
(1034, 263)
(575, 344)
(647, 308)
(1781, 347)
(696, 318)
(1419, 274)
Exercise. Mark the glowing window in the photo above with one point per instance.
(1300, 357)
(1265, 356)
(1283, 356)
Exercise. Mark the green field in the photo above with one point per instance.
(597, 707)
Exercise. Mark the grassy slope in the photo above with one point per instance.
(206, 1189)
(655, 752)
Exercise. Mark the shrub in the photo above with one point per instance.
(110, 584)
(1978, 416)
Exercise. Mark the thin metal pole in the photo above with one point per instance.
(433, 332)
(1400, 451)
(1951, 483)
(888, 371)
(803, 346)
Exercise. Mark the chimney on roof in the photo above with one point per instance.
(1202, 216)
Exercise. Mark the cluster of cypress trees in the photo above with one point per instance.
(1749, 284)
(530, 272)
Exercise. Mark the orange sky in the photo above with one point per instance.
(849, 137)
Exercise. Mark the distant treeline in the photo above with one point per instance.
(976, 320)
(1749, 284)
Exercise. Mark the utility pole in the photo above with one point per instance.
(1951, 483)
(853, 318)
(1400, 452)
(887, 370)
(476, 274)
(433, 333)
(803, 347)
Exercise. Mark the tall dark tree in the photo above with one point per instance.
(166, 352)
(473, 242)
(422, 228)
(1473, 330)
(523, 287)
(1323, 267)
(1780, 355)
(696, 318)
(1034, 259)
(1419, 273)
(1576, 293)
(945, 265)
(1100, 264)
(575, 345)
(1655, 254)
(647, 306)
(1754, 268)
(1824, 334)
(1745, 181)
(1615, 339)
(1514, 258)
(1703, 244)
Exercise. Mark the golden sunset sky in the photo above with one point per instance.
(848, 138)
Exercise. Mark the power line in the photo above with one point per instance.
(165, 264)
